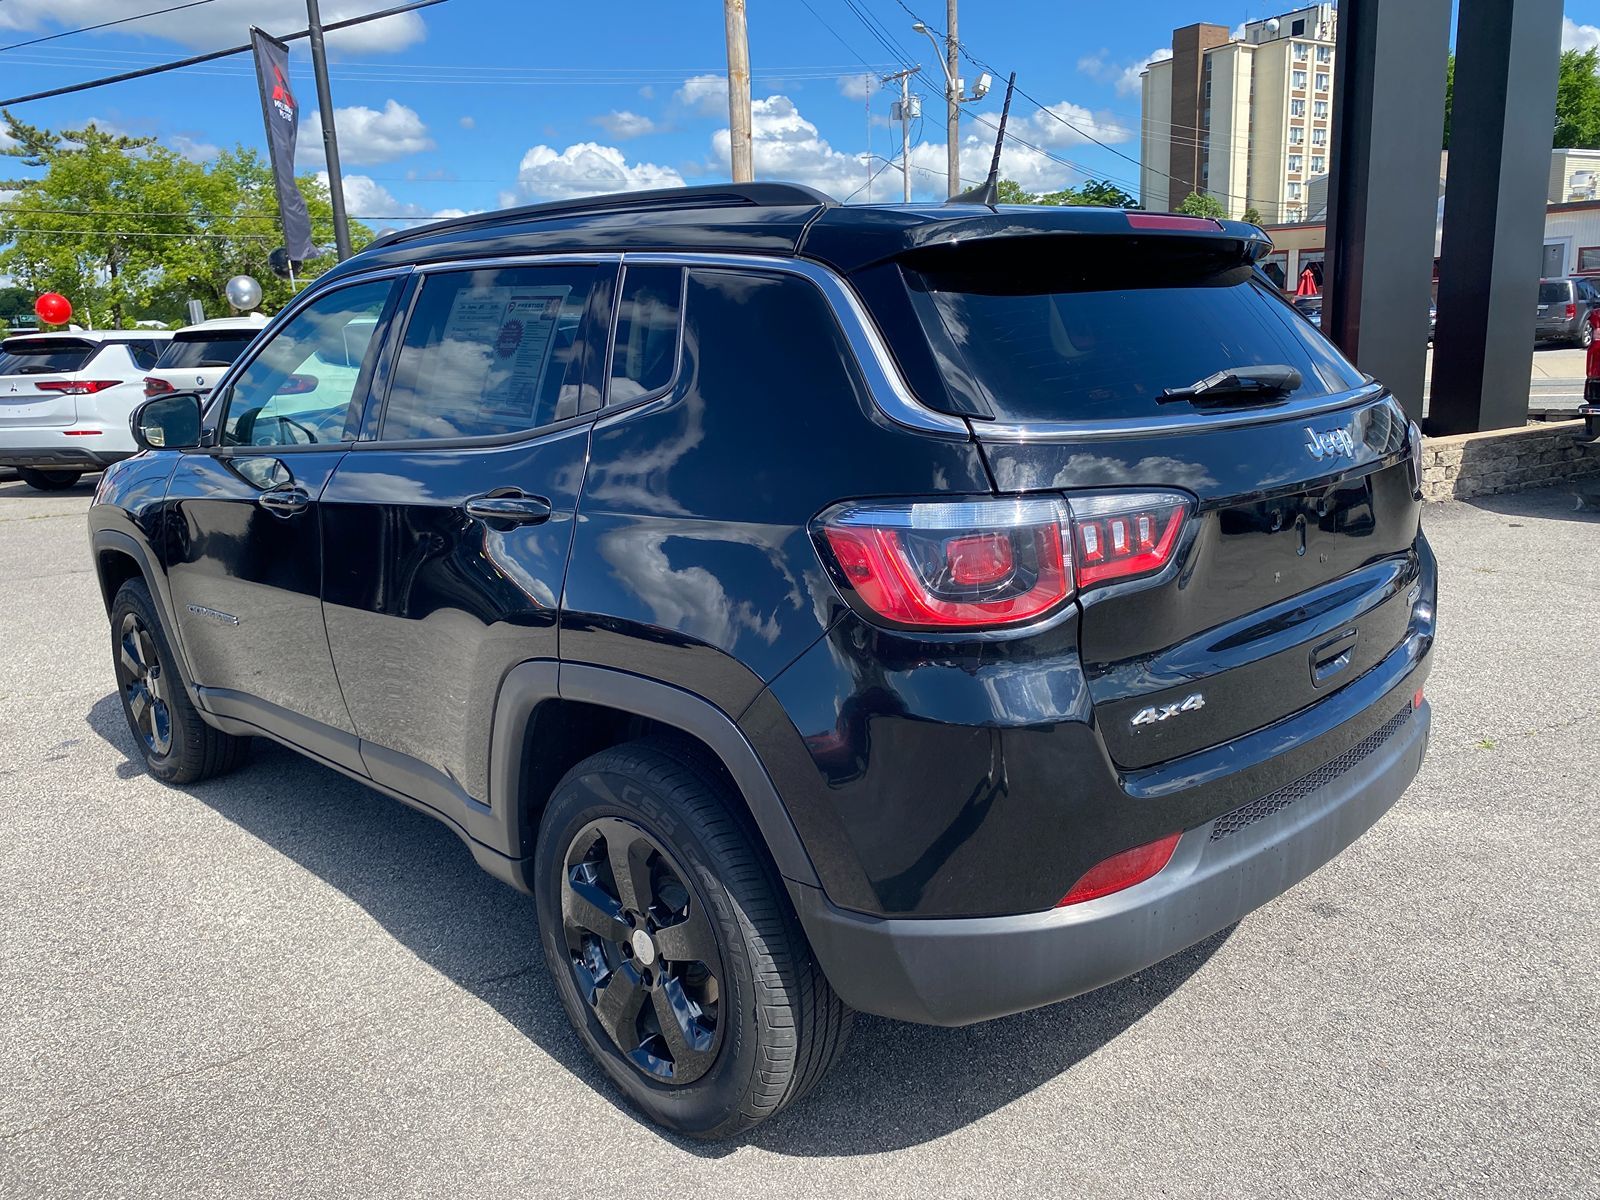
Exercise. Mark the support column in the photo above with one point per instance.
(1383, 192)
(1500, 133)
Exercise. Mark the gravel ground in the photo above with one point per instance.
(282, 984)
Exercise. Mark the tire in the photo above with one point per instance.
(177, 745)
(775, 1026)
(49, 481)
(1585, 333)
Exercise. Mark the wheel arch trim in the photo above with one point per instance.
(528, 685)
(116, 542)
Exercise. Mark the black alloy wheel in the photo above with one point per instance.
(642, 949)
(140, 677)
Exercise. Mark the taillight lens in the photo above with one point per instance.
(154, 386)
(77, 387)
(973, 564)
(1120, 535)
(1122, 871)
(1572, 311)
(1414, 437)
(961, 564)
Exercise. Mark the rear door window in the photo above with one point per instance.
(46, 356)
(187, 351)
(1096, 345)
(491, 353)
(644, 357)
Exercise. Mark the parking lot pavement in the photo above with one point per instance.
(282, 984)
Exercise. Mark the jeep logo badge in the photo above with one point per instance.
(1330, 444)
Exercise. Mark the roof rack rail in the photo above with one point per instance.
(716, 195)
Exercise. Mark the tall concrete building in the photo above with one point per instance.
(1245, 119)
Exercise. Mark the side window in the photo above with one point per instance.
(143, 354)
(491, 352)
(299, 390)
(644, 358)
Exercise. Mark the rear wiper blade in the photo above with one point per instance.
(1271, 383)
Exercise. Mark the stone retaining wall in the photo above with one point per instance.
(1505, 460)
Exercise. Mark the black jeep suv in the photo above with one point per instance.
(935, 611)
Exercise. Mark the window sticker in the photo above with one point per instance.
(495, 350)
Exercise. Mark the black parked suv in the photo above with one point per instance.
(814, 608)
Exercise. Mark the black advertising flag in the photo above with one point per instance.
(282, 114)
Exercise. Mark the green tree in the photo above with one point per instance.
(1577, 116)
(1449, 94)
(1578, 99)
(1199, 204)
(128, 230)
(1105, 193)
(1253, 215)
(1009, 191)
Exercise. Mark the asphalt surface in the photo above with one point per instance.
(282, 984)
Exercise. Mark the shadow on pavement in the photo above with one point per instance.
(897, 1085)
(1578, 500)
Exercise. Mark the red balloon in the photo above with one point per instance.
(53, 308)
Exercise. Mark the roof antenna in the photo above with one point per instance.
(988, 192)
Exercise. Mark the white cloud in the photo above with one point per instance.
(224, 22)
(620, 123)
(584, 169)
(704, 94)
(1578, 37)
(366, 198)
(787, 146)
(1124, 78)
(648, 92)
(192, 148)
(1068, 124)
(857, 87)
(468, 122)
(367, 135)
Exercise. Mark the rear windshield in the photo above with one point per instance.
(1062, 345)
(214, 349)
(43, 356)
(1552, 291)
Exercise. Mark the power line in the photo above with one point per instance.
(105, 24)
(213, 55)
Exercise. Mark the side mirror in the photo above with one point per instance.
(169, 422)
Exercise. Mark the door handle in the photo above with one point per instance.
(501, 512)
(285, 501)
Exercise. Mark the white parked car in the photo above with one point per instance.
(199, 355)
(65, 399)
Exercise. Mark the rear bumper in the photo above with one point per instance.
(53, 449)
(962, 970)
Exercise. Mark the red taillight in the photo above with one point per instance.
(1120, 535)
(81, 432)
(154, 386)
(987, 563)
(77, 387)
(1572, 311)
(1122, 871)
(1148, 220)
(1416, 700)
(966, 564)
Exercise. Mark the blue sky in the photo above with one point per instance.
(474, 104)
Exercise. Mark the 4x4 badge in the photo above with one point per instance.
(1165, 712)
(1330, 444)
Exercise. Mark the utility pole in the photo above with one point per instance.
(952, 95)
(903, 111)
(330, 136)
(738, 91)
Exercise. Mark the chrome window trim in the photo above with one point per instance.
(889, 391)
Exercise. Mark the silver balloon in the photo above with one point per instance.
(243, 292)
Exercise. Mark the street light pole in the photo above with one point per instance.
(330, 136)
